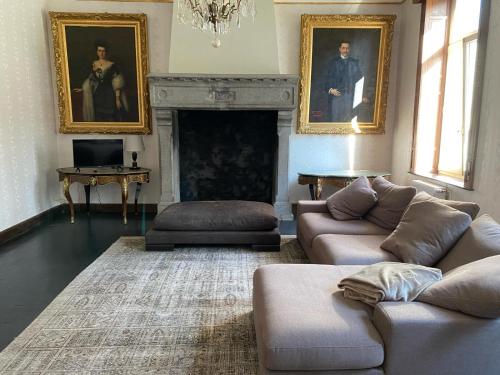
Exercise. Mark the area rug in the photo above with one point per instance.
(135, 312)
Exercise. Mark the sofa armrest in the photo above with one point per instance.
(424, 339)
(311, 206)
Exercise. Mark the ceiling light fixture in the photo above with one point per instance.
(214, 15)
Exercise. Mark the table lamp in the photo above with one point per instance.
(134, 144)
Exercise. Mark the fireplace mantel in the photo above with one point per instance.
(172, 92)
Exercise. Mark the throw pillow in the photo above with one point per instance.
(481, 240)
(426, 232)
(389, 281)
(473, 288)
(353, 201)
(468, 207)
(392, 202)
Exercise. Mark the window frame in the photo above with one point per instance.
(467, 181)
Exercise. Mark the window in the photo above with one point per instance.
(449, 88)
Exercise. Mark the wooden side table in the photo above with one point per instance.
(102, 176)
(317, 179)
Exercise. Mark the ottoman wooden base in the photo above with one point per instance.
(215, 223)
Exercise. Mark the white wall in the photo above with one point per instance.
(333, 152)
(487, 172)
(28, 152)
(159, 16)
(251, 49)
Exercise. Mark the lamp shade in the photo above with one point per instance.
(134, 143)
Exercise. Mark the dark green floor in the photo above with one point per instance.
(37, 266)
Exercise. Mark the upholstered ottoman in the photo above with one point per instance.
(215, 223)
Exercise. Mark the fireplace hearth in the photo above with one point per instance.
(177, 96)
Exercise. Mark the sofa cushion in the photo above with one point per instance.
(303, 322)
(481, 240)
(469, 208)
(341, 249)
(392, 202)
(217, 216)
(426, 233)
(473, 288)
(311, 224)
(353, 201)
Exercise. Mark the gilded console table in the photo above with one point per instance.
(102, 176)
(340, 179)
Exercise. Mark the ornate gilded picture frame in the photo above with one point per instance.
(344, 61)
(101, 63)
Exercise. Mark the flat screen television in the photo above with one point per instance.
(97, 152)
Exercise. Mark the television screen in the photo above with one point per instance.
(97, 152)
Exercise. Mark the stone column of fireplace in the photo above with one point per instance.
(172, 92)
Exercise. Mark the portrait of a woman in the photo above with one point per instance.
(104, 99)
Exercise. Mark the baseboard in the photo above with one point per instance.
(115, 207)
(33, 222)
(25, 226)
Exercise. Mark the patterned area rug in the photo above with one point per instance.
(137, 312)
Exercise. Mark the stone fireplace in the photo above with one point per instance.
(171, 93)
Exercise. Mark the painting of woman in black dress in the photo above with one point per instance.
(104, 96)
(101, 66)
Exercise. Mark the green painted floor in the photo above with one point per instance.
(37, 266)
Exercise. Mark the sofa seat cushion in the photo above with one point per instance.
(312, 224)
(341, 249)
(217, 216)
(303, 322)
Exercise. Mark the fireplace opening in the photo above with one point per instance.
(226, 155)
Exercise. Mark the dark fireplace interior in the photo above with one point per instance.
(225, 155)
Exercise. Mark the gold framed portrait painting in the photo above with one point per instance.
(101, 64)
(345, 61)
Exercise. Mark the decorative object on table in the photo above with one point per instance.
(344, 73)
(102, 176)
(134, 144)
(101, 63)
(216, 16)
(341, 178)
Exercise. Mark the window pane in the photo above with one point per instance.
(458, 88)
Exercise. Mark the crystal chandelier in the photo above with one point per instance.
(214, 15)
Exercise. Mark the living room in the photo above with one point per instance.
(225, 163)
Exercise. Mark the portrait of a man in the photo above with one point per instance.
(342, 76)
(344, 73)
(101, 72)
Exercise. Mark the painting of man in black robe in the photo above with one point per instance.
(102, 74)
(344, 74)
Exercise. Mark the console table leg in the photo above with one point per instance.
(124, 185)
(137, 192)
(311, 192)
(319, 188)
(66, 185)
(87, 197)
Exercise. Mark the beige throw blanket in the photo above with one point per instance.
(389, 281)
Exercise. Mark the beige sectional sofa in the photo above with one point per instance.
(305, 325)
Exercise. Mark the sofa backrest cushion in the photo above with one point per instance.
(470, 208)
(427, 231)
(353, 201)
(392, 202)
(473, 288)
(481, 240)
